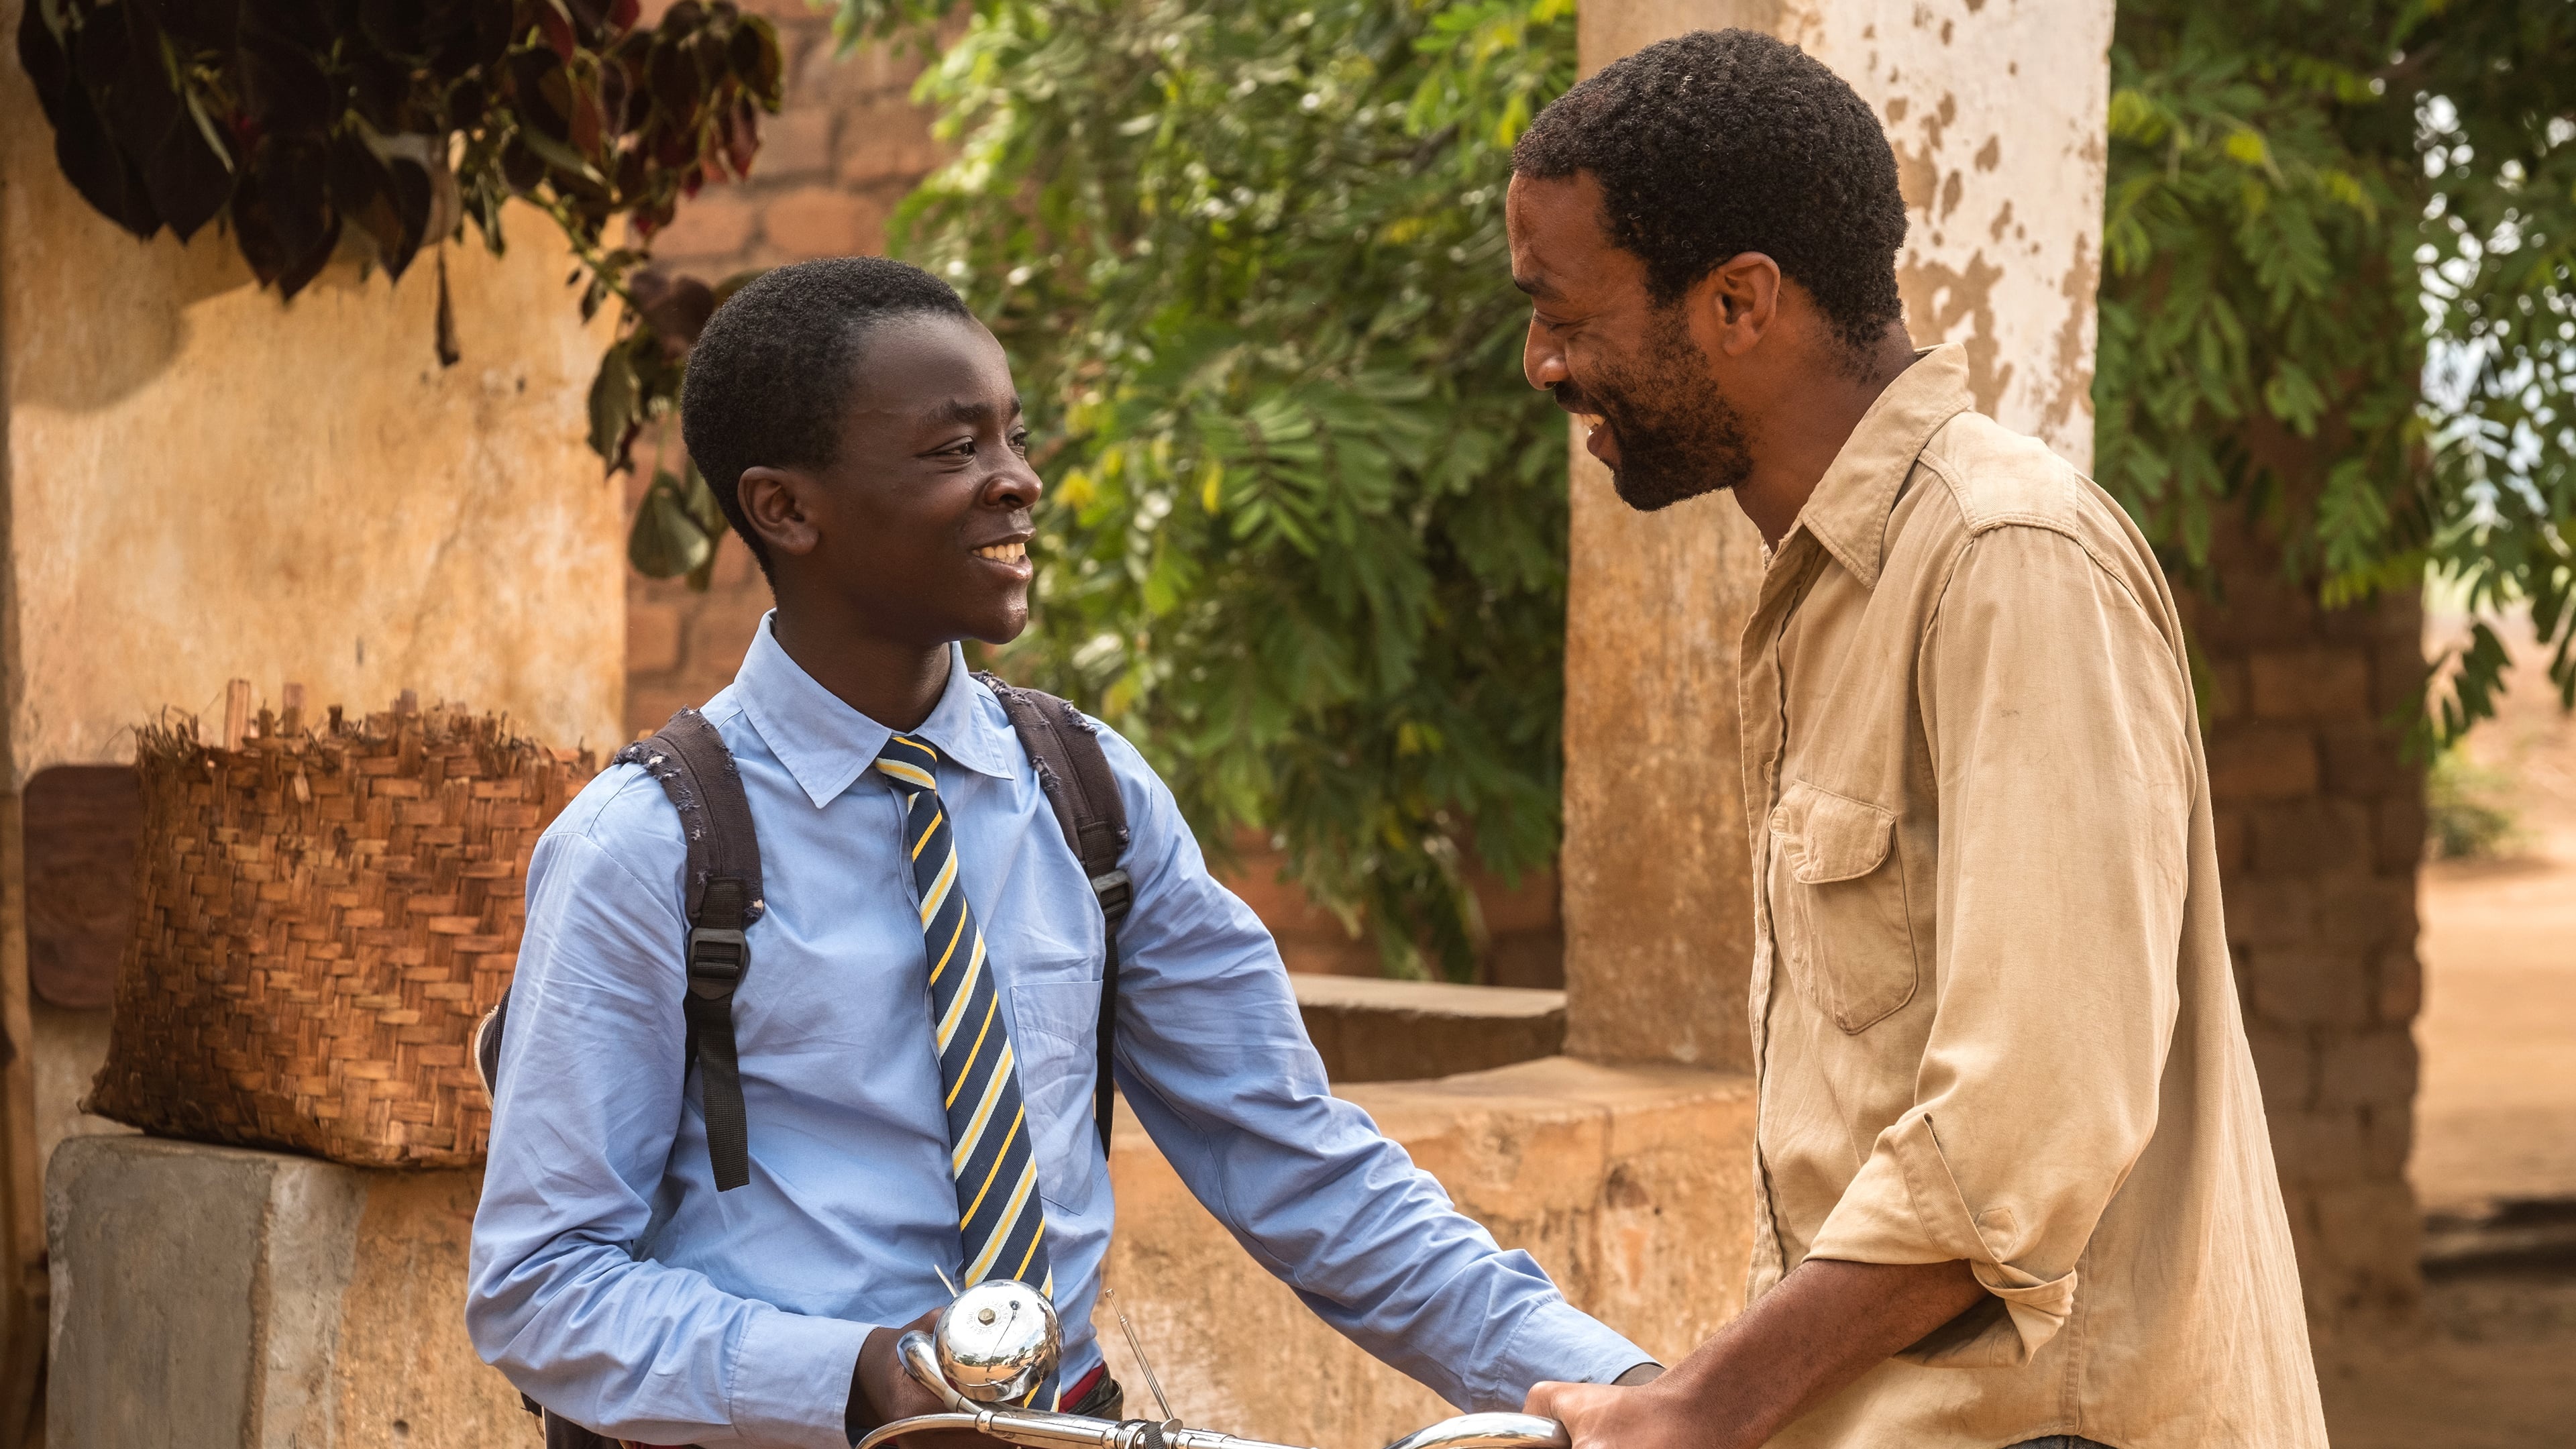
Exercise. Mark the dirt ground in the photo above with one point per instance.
(2495, 1364)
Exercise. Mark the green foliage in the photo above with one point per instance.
(1306, 535)
(2310, 202)
(2465, 810)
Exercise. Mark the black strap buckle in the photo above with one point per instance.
(1115, 893)
(717, 958)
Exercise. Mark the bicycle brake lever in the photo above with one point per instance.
(921, 1360)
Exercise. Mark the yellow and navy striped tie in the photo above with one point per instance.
(1000, 1220)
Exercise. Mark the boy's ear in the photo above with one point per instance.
(783, 506)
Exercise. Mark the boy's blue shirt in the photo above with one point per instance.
(613, 1284)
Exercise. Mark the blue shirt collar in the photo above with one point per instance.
(827, 745)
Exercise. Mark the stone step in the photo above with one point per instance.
(1369, 1029)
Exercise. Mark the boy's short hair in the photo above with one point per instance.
(770, 376)
(1727, 141)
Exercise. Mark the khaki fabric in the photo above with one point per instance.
(1993, 1015)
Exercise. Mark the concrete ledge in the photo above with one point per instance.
(1369, 1029)
(208, 1297)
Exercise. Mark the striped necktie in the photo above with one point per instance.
(1000, 1220)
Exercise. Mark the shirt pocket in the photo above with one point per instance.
(1838, 905)
(1055, 1029)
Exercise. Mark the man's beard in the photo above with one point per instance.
(1677, 435)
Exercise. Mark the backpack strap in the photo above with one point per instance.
(689, 759)
(1074, 772)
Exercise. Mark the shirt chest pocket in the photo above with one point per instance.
(1838, 905)
(1054, 1035)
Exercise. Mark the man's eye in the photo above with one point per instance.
(1020, 444)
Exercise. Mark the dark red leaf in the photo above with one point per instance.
(291, 172)
(586, 123)
(495, 26)
(301, 23)
(556, 26)
(382, 91)
(622, 14)
(101, 173)
(187, 178)
(466, 102)
(756, 60)
(397, 27)
(520, 166)
(305, 269)
(413, 196)
(590, 19)
(682, 18)
(41, 55)
(677, 307)
(207, 25)
(540, 93)
(283, 87)
(672, 73)
(742, 136)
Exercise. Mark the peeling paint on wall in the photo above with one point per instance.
(1995, 116)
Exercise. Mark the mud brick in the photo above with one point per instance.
(718, 638)
(2397, 845)
(2371, 1068)
(2315, 683)
(2296, 987)
(2286, 1066)
(652, 636)
(794, 144)
(2399, 974)
(716, 223)
(2235, 839)
(2263, 912)
(2318, 1148)
(2398, 674)
(819, 221)
(2262, 762)
(887, 138)
(2312, 836)
(2365, 759)
(2362, 913)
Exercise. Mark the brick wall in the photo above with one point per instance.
(2320, 830)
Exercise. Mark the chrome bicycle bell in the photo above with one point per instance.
(998, 1340)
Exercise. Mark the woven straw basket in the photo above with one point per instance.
(321, 918)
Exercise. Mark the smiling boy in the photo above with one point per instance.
(865, 440)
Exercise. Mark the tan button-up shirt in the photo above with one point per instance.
(1993, 1017)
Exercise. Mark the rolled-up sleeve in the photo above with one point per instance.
(1214, 1058)
(589, 1102)
(2058, 718)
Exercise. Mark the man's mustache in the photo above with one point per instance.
(1572, 399)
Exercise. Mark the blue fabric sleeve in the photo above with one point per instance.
(1214, 1059)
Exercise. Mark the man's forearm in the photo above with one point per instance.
(1825, 1325)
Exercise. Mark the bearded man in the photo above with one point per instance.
(2014, 1185)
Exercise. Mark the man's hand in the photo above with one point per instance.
(1824, 1326)
(891, 1394)
(1604, 1416)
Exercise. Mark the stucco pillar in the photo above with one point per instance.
(1995, 109)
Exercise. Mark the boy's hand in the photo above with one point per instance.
(892, 1394)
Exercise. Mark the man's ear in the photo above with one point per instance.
(1736, 303)
(784, 506)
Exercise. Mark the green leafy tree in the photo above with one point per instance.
(1306, 534)
(2339, 297)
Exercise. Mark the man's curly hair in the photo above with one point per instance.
(1727, 141)
(770, 376)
